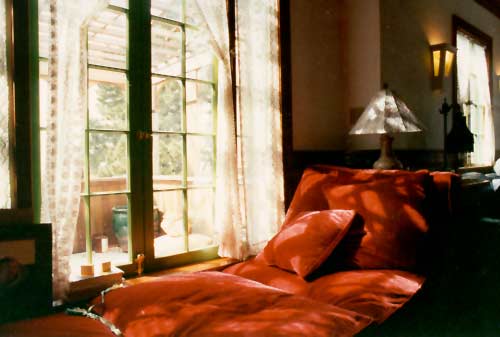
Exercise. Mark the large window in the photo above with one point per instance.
(6, 158)
(148, 182)
(473, 89)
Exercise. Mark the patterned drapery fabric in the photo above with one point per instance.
(64, 150)
(249, 182)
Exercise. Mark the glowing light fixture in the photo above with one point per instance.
(442, 58)
(386, 114)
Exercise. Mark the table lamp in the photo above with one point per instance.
(386, 114)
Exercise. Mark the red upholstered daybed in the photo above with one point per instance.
(347, 255)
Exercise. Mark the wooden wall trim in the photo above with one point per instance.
(492, 5)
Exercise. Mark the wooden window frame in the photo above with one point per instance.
(140, 190)
(24, 71)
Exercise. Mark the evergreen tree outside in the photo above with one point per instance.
(107, 149)
(169, 110)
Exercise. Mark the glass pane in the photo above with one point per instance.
(201, 218)
(200, 157)
(199, 107)
(168, 9)
(166, 49)
(109, 232)
(167, 161)
(107, 39)
(108, 155)
(107, 100)
(43, 28)
(170, 236)
(193, 15)
(43, 87)
(5, 196)
(43, 146)
(199, 56)
(167, 104)
(119, 3)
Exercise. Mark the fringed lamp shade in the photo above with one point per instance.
(386, 114)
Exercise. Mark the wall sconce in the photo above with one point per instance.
(442, 56)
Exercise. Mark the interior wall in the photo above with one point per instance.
(408, 29)
(342, 50)
(318, 121)
(362, 59)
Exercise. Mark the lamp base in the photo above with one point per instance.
(387, 160)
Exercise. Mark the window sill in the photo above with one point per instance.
(211, 265)
(85, 288)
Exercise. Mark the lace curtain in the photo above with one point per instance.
(474, 96)
(249, 178)
(64, 151)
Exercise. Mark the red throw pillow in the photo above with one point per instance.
(306, 243)
(394, 221)
(309, 193)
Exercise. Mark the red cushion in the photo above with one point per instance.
(305, 243)
(393, 214)
(309, 193)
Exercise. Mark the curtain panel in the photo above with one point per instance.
(249, 178)
(64, 150)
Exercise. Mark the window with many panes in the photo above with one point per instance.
(473, 91)
(150, 134)
(6, 158)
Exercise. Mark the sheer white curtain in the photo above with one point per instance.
(64, 152)
(474, 96)
(5, 104)
(249, 179)
(258, 109)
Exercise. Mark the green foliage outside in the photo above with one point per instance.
(169, 111)
(108, 150)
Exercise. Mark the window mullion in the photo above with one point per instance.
(139, 61)
(184, 136)
(86, 173)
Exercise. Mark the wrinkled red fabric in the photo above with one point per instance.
(219, 304)
(307, 241)
(446, 192)
(59, 325)
(393, 213)
(256, 269)
(373, 293)
(309, 193)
